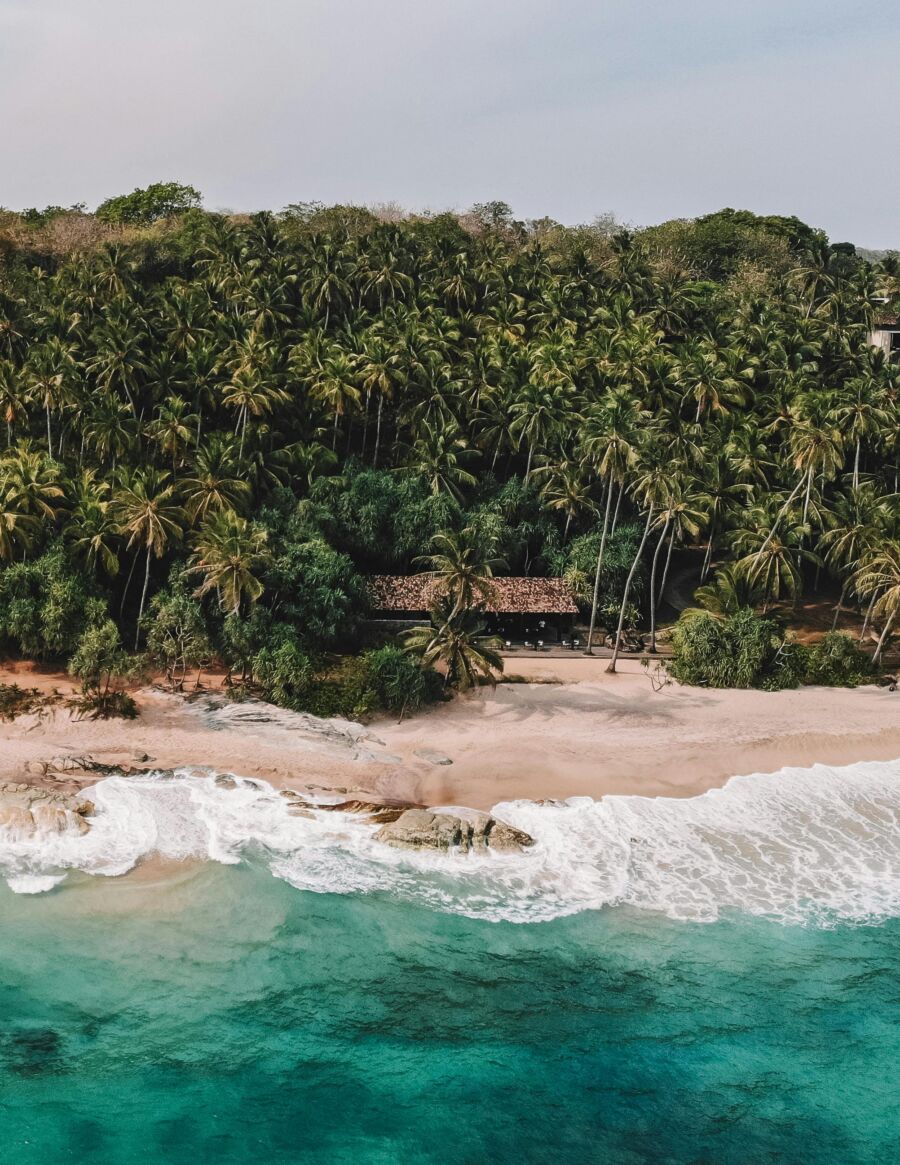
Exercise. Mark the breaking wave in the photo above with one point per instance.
(819, 844)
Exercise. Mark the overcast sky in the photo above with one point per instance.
(651, 109)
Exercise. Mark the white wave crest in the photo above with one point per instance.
(814, 844)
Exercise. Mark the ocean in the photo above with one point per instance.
(713, 979)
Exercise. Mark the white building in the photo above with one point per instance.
(885, 335)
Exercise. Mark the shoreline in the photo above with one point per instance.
(572, 731)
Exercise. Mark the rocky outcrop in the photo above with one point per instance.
(462, 830)
(375, 812)
(26, 811)
(432, 756)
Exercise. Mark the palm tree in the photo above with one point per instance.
(229, 552)
(459, 644)
(610, 444)
(149, 517)
(249, 395)
(92, 531)
(13, 398)
(730, 591)
(335, 387)
(566, 489)
(173, 428)
(439, 455)
(773, 556)
(214, 482)
(857, 520)
(462, 569)
(611, 667)
(17, 525)
(879, 576)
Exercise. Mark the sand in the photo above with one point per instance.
(590, 734)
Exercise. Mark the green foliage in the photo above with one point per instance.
(284, 671)
(716, 245)
(385, 679)
(316, 591)
(382, 520)
(45, 606)
(743, 650)
(837, 662)
(282, 404)
(148, 205)
(398, 683)
(177, 634)
(100, 662)
(577, 562)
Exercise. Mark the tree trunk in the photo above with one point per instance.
(856, 466)
(137, 637)
(840, 603)
(596, 599)
(378, 430)
(662, 585)
(809, 481)
(778, 518)
(708, 557)
(662, 539)
(128, 583)
(616, 514)
(528, 464)
(49, 437)
(365, 436)
(637, 558)
(876, 658)
(865, 626)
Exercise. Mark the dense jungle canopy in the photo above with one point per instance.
(244, 415)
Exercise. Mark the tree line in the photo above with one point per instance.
(227, 421)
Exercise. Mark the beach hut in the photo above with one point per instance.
(518, 608)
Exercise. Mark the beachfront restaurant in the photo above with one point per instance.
(519, 610)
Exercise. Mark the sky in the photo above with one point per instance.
(649, 109)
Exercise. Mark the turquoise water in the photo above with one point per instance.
(224, 1016)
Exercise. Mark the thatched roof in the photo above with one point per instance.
(509, 596)
(886, 322)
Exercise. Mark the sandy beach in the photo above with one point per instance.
(588, 734)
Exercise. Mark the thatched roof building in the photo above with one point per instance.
(395, 595)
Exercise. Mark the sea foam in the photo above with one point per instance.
(819, 844)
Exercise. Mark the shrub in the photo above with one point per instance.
(744, 650)
(284, 672)
(397, 681)
(100, 661)
(176, 633)
(45, 606)
(837, 662)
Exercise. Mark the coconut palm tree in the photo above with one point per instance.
(609, 441)
(879, 576)
(149, 518)
(92, 532)
(457, 643)
(462, 569)
(229, 553)
(214, 482)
